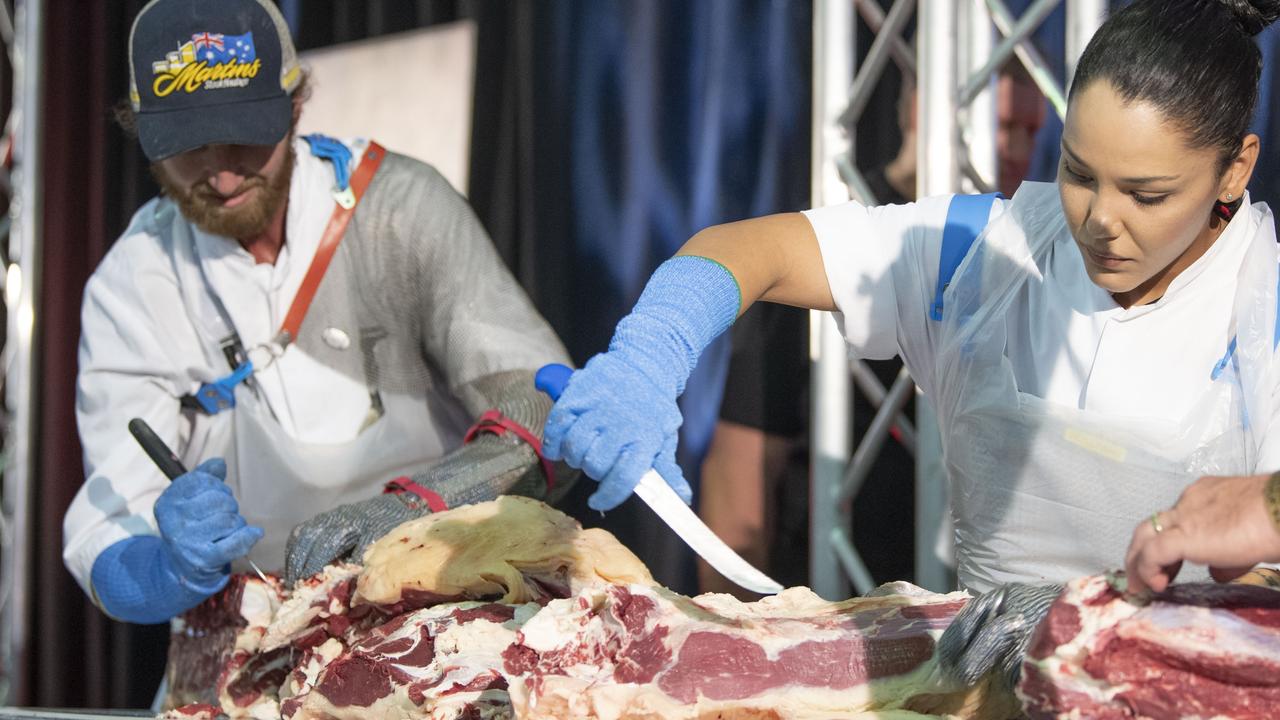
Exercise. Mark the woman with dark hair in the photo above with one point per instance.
(1105, 340)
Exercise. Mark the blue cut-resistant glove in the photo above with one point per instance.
(149, 579)
(617, 417)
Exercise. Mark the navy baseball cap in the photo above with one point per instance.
(204, 72)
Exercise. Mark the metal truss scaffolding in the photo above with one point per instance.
(24, 39)
(961, 46)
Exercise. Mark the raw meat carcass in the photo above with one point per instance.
(442, 663)
(192, 711)
(318, 608)
(636, 651)
(213, 648)
(1195, 651)
(513, 550)
(237, 649)
(510, 609)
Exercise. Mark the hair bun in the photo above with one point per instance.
(1253, 15)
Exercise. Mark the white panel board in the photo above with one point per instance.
(412, 92)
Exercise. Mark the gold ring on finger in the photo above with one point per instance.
(1155, 522)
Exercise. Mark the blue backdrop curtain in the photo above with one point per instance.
(676, 116)
(1265, 185)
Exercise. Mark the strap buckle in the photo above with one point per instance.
(345, 197)
(263, 355)
(493, 421)
(220, 394)
(404, 484)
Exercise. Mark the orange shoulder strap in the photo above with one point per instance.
(333, 232)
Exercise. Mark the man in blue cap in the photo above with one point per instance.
(321, 328)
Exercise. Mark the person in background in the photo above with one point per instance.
(758, 457)
(320, 328)
(1020, 113)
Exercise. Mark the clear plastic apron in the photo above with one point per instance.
(1043, 492)
(278, 480)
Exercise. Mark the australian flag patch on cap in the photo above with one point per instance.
(208, 61)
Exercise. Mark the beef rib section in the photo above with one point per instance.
(1201, 650)
(637, 651)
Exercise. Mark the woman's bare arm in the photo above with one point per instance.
(774, 258)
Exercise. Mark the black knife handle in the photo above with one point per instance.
(155, 448)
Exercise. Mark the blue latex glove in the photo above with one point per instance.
(618, 417)
(149, 579)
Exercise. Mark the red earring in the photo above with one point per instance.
(1226, 209)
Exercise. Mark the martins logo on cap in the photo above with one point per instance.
(209, 61)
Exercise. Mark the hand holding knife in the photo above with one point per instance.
(664, 501)
(167, 461)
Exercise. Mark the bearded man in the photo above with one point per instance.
(321, 328)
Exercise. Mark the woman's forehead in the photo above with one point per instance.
(1129, 137)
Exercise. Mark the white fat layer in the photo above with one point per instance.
(560, 622)
(304, 605)
(1204, 631)
(481, 638)
(258, 604)
(471, 649)
(248, 640)
(264, 708)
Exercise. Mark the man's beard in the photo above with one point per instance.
(203, 206)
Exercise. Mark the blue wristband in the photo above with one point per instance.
(687, 303)
(135, 581)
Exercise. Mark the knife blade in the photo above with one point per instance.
(168, 462)
(664, 501)
(658, 495)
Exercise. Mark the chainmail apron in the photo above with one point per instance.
(393, 289)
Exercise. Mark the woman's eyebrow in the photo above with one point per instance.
(1066, 148)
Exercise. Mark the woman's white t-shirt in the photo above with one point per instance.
(1068, 341)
